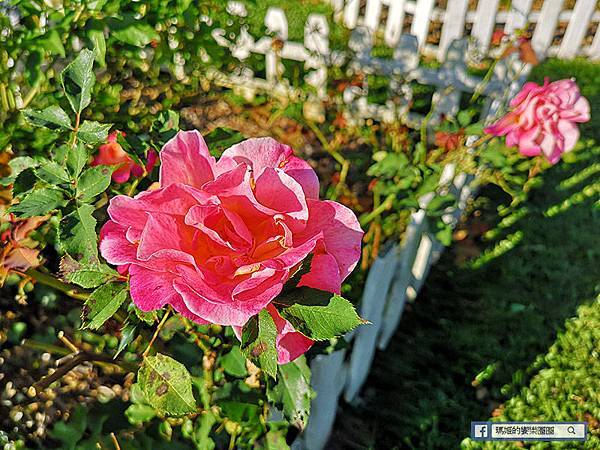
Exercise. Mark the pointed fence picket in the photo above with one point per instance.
(396, 277)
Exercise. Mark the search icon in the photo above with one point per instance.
(571, 430)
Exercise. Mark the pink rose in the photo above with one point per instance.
(543, 119)
(111, 154)
(218, 239)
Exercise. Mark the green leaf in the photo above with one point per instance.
(71, 432)
(87, 276)
(293, 393)
(234, 363)
(94, 181)
(77, 156)
(148, 317)
(38, 202)
(52, 43)
(258, 341)
(92, 132)
(53, 117)
(78, 80)
(99, 43)
(77, 234)
(128, 334)
(24, 182)
(52, 173)
(102, 304)
(18, 165)
(304, 296)
(167, 385)
(475, 129)
(465, 116)
(133, 32)
(323, 322)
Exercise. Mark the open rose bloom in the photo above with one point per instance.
(218, 239)
(543, 119)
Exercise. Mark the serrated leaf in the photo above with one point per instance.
(102, 304)
(86, 276)
(92, 132)
(53, 117)
(323, 322)
(167, 385)
(94, 181)
(52, 173)
(234, 363)
(258, 342)
(38, 203)
(77, 234)
(78, 80)
(292, 392)
(148, 317)
(76, 158)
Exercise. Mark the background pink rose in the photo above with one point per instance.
(111, 154)
(218, 239)
(543, 119)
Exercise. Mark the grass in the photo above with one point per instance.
(567, 386)
(472, 339)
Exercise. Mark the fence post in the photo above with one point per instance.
(420, 25)
(394, 23)
(454, 25)
(577, 28)
(484, 23)
(546, 25)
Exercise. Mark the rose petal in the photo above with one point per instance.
(290, 343)
(186, 159)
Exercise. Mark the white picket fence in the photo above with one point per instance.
(456, 18)
(398, 274)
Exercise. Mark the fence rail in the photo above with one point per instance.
(398, 274)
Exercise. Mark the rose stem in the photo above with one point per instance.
(158, 328)
(54, 283)
(115, 442)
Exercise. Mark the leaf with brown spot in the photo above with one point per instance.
(167, 385)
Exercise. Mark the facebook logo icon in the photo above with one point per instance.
(480, 431)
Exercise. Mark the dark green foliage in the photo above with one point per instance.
(487, 326)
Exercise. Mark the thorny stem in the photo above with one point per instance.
(155, 335)
(232, 440)
(321, 137)
(54, 283)
(133, 186)
(76, 129)
(385, 205)
(342, 180)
